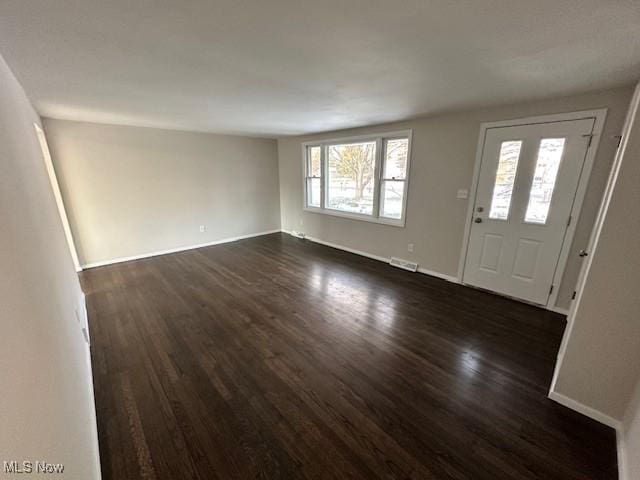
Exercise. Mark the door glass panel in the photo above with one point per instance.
(505, 179)
(544, 179)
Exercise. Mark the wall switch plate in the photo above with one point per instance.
(202, 228)
(410, 247)
(463, 193)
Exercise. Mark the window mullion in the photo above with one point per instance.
(306, 176)
(323, 176)
(405, 191)
(377, 174)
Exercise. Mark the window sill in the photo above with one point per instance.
(356, 216)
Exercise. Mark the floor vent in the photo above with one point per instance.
(404, 264)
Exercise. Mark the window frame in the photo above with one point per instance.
(309, 176)
(380, 139)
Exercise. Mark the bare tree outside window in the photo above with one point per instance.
(351, 171)
(365, 176)
(355, 162)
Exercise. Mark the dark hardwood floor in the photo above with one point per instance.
(279, 358)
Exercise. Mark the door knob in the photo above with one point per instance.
(583, 253)
(478, 220)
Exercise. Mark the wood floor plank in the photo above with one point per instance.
(275, 357)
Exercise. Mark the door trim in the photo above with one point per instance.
(599, 116)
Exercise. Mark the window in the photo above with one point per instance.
(505, 179)
(394, 177)
(350, 176)
(364, 178)
(544, 180)
(314, 177)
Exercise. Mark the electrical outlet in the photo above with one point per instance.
(410, 247)
(301, 221)
(202, 228)
(462, 193)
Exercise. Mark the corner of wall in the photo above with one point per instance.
(280, 209)
(44, 344)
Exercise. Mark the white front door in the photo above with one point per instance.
(526, 188)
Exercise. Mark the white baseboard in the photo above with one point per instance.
(562, 311)
(443, 276)
(603, 418)
(348, 249)
(94, 427)
(175, 250)
(362, 253)
(596, 415)
(84, 323)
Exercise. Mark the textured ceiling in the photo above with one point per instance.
(279, 67)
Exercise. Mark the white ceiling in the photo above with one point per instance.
(280, 67)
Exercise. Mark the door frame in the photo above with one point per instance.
(632, 116)
(600, 116)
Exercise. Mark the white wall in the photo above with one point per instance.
(131, 191)
(46, 404)
(444, 149)
(599, 365)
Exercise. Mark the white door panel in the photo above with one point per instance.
(526, 188)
